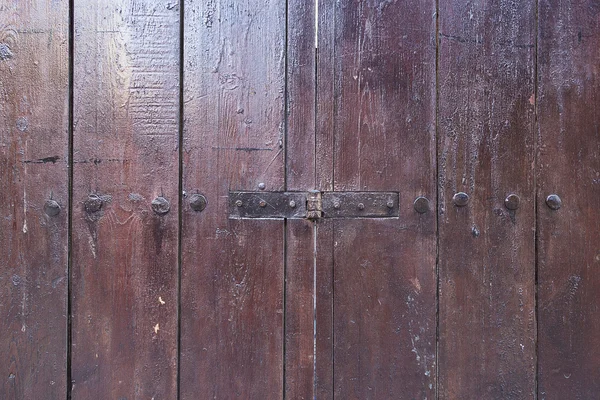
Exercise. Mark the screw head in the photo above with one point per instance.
(239, 203)
(197, 202)
(460, 199)
(421, 204)
(361, 206)
(292, 204)
(390, 204)
(160, 205)
(336, 204)
(51, 208)
(554, 202)
(93, 203)
(262, 186)
(262, 203)
(512, 202)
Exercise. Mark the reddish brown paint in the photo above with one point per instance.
(383, 122)
(568, 164)
(34, 104)
(485, 149)
(125, 150)
(232, 270)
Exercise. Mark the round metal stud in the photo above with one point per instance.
(336, 204)
(460, 199)
(93, 203)
(160, 205)
(421, 204)
(292, 204)
(554, 202)
(262, 186)
(512, 202)
(361, 206)
(239, 203)
(390, 204)
(51, 208)
(262, 203)
(198, 202)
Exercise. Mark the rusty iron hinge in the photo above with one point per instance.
(313, 205)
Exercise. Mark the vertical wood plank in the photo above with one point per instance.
(384, 306)
(125, 249)
(568, 165)
(300, 176)
(486, 252)
(232, 270)
(34, 150)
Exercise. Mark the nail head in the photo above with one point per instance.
(554, 202)
(460, 199)
(361, 206)
(51, 208)
(421, 204)
(160, 205)
(197, 202)
(512, 202)
(262, 186)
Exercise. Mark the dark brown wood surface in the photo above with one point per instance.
(125, 155)
(34, 121)
(568, 165)
(232, 308)
(485, 149)
(384, 289)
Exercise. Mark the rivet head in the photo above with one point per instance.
(93, 203)
(336, 205)
(262, 186)
(51, 208)
(239, 203)
(554, 202)
(292, 204)
(390, 204)
(421, 204)
(361, 206)
(262, 203)
(197, 202)
(460, 199)
(160, 205)
(512, 202)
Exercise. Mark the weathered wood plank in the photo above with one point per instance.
(384, 305)
(568, 165)
(126, 111)
(232, 270)
(486, 252)
(34, 150)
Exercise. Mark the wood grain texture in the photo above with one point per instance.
(384, 304)
(232, 270)
(486, 252)
(34, 103)
(568, 164)
(126, 110)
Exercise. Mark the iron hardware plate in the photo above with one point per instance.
(313, 205)
(267, 205)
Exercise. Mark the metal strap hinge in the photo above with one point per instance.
(313, 205)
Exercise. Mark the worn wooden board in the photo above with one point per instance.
(568, 164)
(382, 66)
(125, 155)
(300, 175)
(34, 150)
(232, 270)
(485, 149)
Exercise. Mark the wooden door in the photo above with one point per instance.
(266, 199)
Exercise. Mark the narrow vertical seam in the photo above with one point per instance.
(535, 202)
(437, 194)
(285, 183)
(180, 194)
(70, 195)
